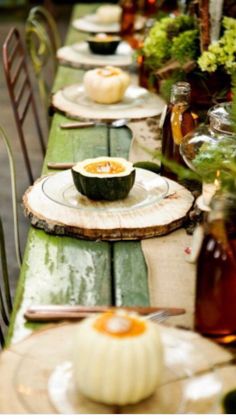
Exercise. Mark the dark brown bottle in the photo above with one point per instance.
(215, 305)
(178, 121)
(143, 72)
(127, 17)
(149, 7)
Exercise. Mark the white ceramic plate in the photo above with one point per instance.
(143, 214)
(137, 103)
(42, 381)
(91, 24)
(194, 394)
(149, 188)
(197, 391)
(79, 56)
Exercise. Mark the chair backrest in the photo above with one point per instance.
(5, 295)
(20, 91)
(42, 40)
(4, 139)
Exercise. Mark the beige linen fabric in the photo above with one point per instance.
(171, 277)
(146, 140)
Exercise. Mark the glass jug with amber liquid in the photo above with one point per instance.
(127, 23)
(178, 120)
(129, 9)
(215, 304)
(149, 7)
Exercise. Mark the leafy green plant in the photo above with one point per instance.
(223, 52)
(233, 109)
(213, 160)
(218, 158)
(185, 47)
(171, 51)
(158, 44)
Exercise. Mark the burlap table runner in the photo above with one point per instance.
(146, 140)
(171, 277)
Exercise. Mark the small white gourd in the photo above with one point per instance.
(108, 14)
(106, 85)
(118, 358)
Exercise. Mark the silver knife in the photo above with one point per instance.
(60, 166)
(83, 124)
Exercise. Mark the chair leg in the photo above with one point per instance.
(3, 310)
(5, 274)
(2, 340)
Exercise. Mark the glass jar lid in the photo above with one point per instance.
(220, 118)
(224, 204)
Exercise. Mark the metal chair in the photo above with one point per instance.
(20, 91)
(5, 141)
(2, 340)
(5, 295)
(42, 40)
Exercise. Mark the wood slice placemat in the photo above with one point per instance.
(79, 56)
(137, 103)
(53, 204)
(196, 373)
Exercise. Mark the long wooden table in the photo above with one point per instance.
(63, 270)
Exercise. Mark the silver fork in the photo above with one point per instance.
(158, 316)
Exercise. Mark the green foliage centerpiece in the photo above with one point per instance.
(172, 52)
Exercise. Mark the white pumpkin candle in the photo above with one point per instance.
(106, 85)
(118, 357)
(108, 14)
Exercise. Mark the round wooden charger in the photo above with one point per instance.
(191, 382)
(79, 56)
(142, 214)
(137, 103)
